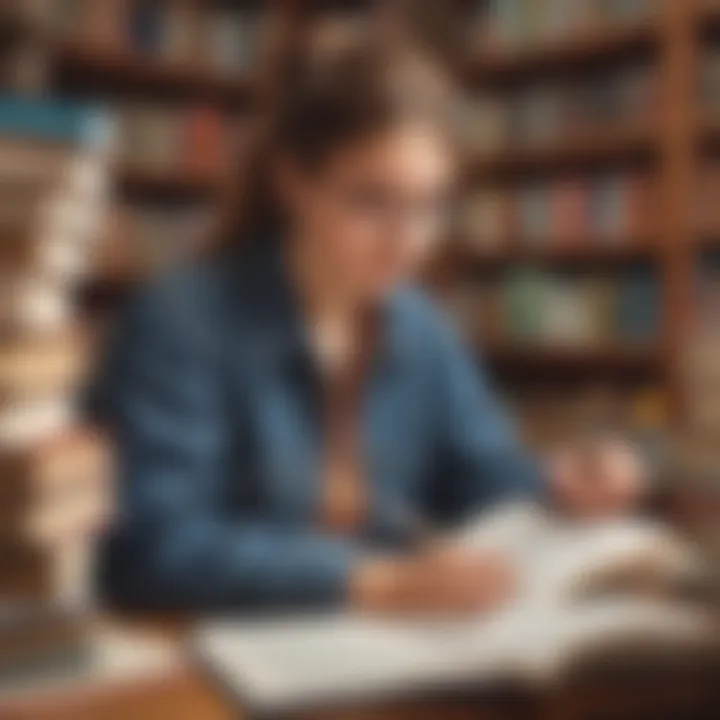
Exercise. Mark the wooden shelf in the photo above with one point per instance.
(587, 251)
(628, 143)
(562, 360)
(16, 26)
(180, 182)
(708, 128)
(592, 46)
(708, 15)
(118, 69)
(708, 239)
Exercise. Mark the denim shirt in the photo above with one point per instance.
(215, 407)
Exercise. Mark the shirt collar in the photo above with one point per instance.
(268, 299)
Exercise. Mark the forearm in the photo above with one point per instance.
(209, 565)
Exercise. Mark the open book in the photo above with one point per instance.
(578, 598)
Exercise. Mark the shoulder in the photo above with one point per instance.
(423, 320)
(184, 304)
(433, 338)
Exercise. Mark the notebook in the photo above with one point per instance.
(577, 599)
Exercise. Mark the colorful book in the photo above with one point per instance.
(571, 212)
(146, 25)
(639, 304)
(56, 121)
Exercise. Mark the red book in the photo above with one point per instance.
(206, 150)
(570, 213)
(641, 208)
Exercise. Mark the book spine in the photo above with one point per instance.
(181, 41)
(638, 318)
(146, 26)
(31, 370)
(570, 217)
(205, 147)
(54, 121)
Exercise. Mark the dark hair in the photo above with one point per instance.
(332, 92)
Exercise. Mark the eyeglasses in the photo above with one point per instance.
(385, 207)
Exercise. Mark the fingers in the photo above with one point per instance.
(610, 480)
(439, 582)
(461, 583)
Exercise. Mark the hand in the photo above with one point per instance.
(441, 581)
(597, 479)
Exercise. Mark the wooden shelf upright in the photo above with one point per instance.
(679, 64)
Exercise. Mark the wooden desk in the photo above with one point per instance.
(182, 695)
(688, 692)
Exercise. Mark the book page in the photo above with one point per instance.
(560, 559)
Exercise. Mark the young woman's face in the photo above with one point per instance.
(375, 210)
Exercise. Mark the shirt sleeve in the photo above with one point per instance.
(174, 545)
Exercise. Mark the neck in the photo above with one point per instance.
(333, 315)
(323, 297)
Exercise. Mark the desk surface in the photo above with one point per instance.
(180, 695)
(179, 691)
(184, 695)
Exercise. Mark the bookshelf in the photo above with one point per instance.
(583, 251)
(588, 149)
(588, 48)
(124, 71)
(616, 362)
(136, 179)
(667, 146)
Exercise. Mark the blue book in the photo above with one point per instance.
(639, 306)
(55, 121)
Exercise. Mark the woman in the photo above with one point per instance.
(292, 417)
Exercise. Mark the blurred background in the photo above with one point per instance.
(585, 258)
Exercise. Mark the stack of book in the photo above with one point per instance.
(540, 114)
(193, 140)
(509, 25)
(54, 166)
(223, 38)
(568, 310)
(606, 209)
